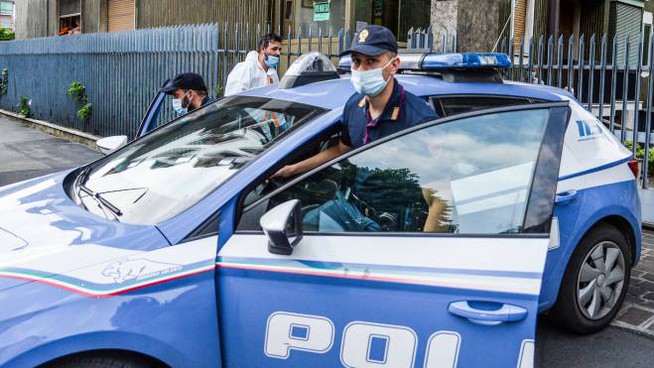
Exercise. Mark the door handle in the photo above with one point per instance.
(487, 313)
(565, 197)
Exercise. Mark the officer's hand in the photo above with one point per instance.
(285, 172)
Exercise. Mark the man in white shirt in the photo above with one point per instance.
(259, 68)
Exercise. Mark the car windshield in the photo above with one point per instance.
(169, 170)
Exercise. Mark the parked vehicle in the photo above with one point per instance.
(180, 250)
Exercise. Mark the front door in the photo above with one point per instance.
(422, 250)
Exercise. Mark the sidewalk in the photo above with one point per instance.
(26, 153)
(647, 206)
(637, 313)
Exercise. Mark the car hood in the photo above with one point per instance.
(43, 233)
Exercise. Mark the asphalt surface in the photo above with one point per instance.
(26, 153)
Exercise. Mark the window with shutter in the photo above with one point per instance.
(626, 21)
(70, 14)
(69, 7)
(519, 17)
(121, 15)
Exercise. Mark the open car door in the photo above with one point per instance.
(108, 145)
(151, 117)
(423, 249)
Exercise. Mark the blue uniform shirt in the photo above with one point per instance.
(403, 110)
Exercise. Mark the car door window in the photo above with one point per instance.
(471, 176)
(452, 105)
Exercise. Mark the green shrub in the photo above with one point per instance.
(77, 91)
(85, 112)
(25, 107)
(6, 34)
(640, 154)
(4, 81)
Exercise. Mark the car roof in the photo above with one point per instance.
(332, 94)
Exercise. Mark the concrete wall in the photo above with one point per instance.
(31, 18)
(94, 16)
(444, 15)
(478, 26)
(157, 13)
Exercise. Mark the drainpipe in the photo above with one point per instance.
(553, 9)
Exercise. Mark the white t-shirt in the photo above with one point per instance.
(249, 74)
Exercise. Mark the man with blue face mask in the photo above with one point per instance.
(379, 107)
(259, 67)
(189, 92)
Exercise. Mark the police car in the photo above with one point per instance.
(180, 249)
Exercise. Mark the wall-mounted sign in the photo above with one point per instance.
(321, 11)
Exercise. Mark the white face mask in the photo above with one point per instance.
(178, 105)
(370, 82)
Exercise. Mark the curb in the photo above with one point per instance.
(69, 134)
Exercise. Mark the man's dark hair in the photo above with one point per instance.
(268, 38)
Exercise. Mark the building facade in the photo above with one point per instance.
(41, 18)
(483, 29)
(7, 14)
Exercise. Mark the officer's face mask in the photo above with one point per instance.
(272, 61)
(178, 104)
(370, 82)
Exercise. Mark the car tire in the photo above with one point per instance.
(101, 361)
(590, 297)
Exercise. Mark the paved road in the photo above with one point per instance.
(26, 153)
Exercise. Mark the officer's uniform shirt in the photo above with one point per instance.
(403, 110)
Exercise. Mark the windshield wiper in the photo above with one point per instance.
(81, 178)
(100, 199)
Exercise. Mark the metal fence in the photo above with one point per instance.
(604, 74)
(122, 71)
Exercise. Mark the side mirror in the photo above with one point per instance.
(109, 144)
(283, 227)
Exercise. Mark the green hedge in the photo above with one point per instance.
(6, 34)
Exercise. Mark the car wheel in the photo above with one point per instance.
(100, 361)
(595, 282)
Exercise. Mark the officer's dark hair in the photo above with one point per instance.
(267, 39)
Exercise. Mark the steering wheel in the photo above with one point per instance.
(273, 183)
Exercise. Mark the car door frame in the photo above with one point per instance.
(149, 121)
(540, 205)
(237, 201)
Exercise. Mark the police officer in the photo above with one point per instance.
(380, 106)
(188, 91)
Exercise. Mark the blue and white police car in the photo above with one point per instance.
(179, 250)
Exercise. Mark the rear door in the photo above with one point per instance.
(151, 117)
(425, 249)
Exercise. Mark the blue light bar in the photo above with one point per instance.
(489, 60)
(345, 62)
(442, 62)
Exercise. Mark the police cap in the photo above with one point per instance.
(373, 40)
(185, 81)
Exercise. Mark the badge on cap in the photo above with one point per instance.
(363, 36)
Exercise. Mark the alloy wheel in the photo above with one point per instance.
(600, 280)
